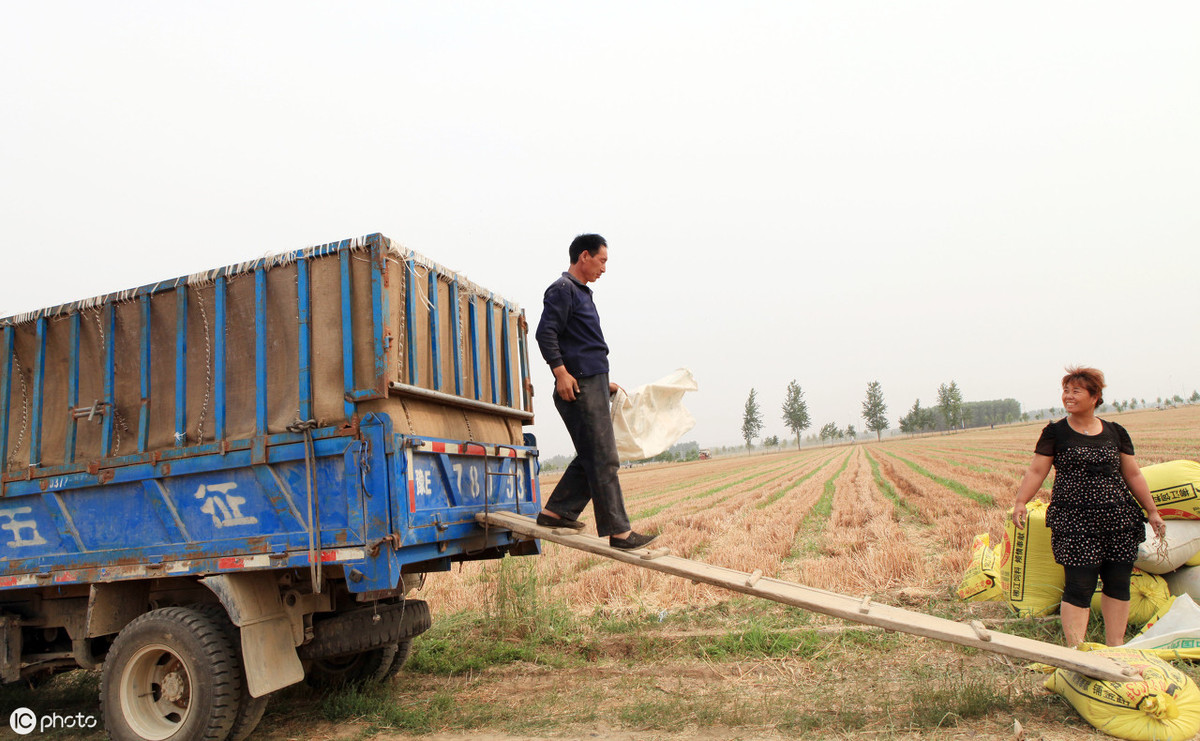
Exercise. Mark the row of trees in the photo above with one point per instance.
(950, 413)
(796, 417)
(950, 405)
(795, 414)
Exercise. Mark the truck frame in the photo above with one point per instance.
(218, 486)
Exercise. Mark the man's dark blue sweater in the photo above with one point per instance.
(569, 331)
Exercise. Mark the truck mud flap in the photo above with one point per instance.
(365, 629)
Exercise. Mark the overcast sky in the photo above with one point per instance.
(834, 192)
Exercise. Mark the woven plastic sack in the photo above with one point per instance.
(1175, 634)
(1181, 542)
(1185, 580)
(652, 418)
(1163, 705)
(1032, 582)
(981, 581)
(1175, 487)
(1148, 595)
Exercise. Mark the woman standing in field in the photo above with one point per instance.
(1095, 522)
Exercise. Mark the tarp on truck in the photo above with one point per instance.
(324, 334)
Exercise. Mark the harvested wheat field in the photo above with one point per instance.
(574, 645)
(571, 645)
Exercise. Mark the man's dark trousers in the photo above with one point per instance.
(593, 473)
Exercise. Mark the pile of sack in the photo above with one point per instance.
(1021, 570)
(1161, 703)
(1158, 703)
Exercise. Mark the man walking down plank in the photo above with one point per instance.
(572, 343)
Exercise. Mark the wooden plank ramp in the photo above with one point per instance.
(856, 609)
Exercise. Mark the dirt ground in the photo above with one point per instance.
(764, 696)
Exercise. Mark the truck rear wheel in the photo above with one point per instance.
(171, 674)
(250, 708)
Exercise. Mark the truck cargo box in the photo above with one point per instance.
(298, 410)
(320, 335)
(264, 458)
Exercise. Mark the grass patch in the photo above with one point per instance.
(758, 643)
(378, 709)
(733, 614)
(376, 705)
(518, 622)
(954, 486)
(945, 702)
(674, 712)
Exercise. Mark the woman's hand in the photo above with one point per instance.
(1039, 468)
(1020, 515)
(1157, 524)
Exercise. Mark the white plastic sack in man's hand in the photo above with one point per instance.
(651, 418)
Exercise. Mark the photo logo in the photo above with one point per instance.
(22, 720)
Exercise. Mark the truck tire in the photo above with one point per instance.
(250, 708)
(355, 632)
(376, 665)
(368, 666)
(171, 674)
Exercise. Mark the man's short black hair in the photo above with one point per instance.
(590, 242)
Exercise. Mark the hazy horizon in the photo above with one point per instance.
(831, 193)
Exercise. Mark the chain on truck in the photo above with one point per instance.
(218, 486)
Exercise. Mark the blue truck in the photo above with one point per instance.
(220, 485)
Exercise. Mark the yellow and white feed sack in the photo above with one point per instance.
(1032, 582)
(1148, 595)
(981, 581)
(1163, 704)
(1175, 486)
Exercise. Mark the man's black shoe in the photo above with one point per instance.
(635, 540)
(548, 521)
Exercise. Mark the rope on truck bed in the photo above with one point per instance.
(392, 251)
(314, 510)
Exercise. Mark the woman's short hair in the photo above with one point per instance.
(1091, 379)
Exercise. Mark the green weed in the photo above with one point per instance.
(518, 622)
(953, 698)
(758, 642)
